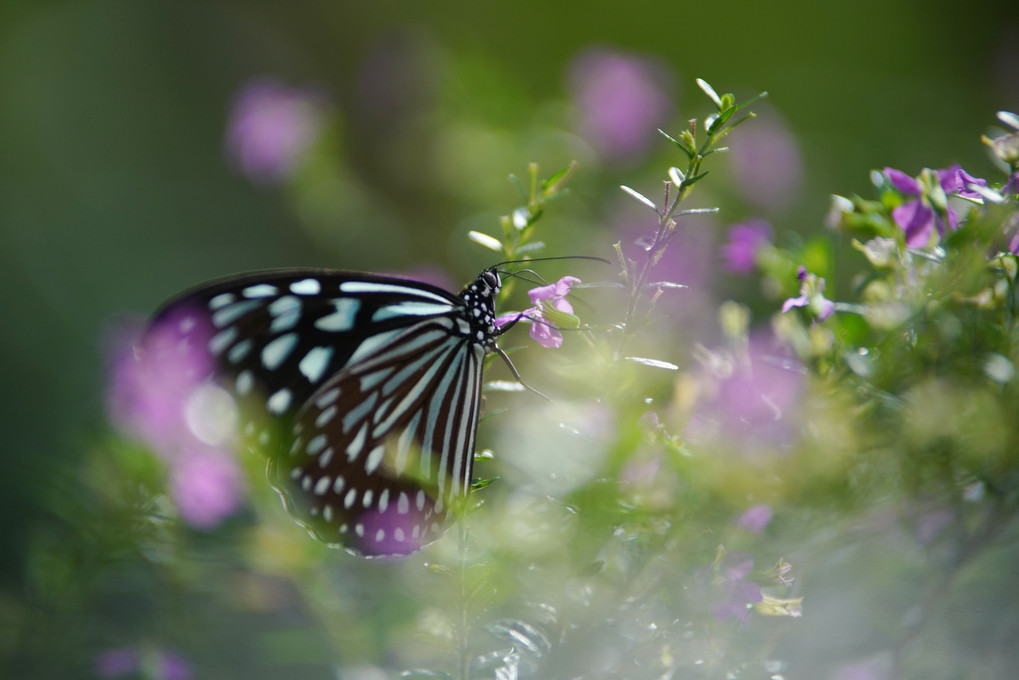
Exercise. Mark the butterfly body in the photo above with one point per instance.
(362, 390)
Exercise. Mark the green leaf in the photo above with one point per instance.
(640, 197)
(710, 91)
(678, 144)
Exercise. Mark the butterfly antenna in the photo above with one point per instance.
(561, 257)
(516, 375)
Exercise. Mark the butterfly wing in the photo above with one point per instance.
(362, 390)
(382, 450)
(273, 338)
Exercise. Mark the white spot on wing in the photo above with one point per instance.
(322, 485)
(221, 300)
(279, 401)
(260, 290)
(245, 382)
(239, 351)
(369, 287)
(276, 352)
(220, 341)
(314, 363)
(306, 287)
(342, 319)
(227, 315)
(317, 443)
(348, 500)
(327, 455)
(374, 459)
(410, 308)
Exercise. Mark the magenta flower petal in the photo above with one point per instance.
(917, 220)
(902, 182)
(545, 334)
(553, 290)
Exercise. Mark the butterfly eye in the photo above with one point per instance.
(491, 279)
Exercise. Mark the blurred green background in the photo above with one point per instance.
(115, 191)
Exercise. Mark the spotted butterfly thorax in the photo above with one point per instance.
(362, 390)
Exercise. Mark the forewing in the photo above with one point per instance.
(274, 338)
(382, 450)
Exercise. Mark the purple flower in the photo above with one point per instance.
(928, 206)
(206, 486)
(620, 100)
(270, 128)
(549, 301)
(745, 240)
(811, 295)
(152, 379)
(736, 591)
(765, 164)
(161, 393)
(755, 519)
(751, 403)
(132, 661)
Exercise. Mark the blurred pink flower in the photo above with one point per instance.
(736, 592)
(154, 376)
(753, 405)
(755, 519)
(129, 662)
(206, 486)
(745, 240)
(620, 100)
(271, 126)
(765, 163)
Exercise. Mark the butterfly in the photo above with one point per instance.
(364, 392)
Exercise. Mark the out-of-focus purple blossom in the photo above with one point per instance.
(925, 210)
(811, 295)
(755, 519)
(546, 300)
(745, 240)
(271, 126)
(753, 404)
(765, 163)
(206, 487)
(152, 379)
(175, 667)
(736, 592)
(116, 663)
(130, 661)
(620, 100)
(160, 393)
